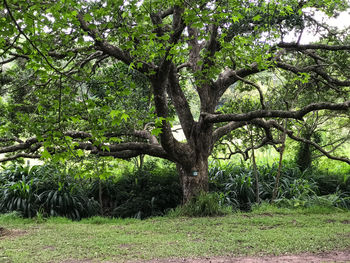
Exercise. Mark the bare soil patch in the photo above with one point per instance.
(78, 261)
(333, 256)
(7, 233)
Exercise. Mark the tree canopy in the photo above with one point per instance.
(110, 77)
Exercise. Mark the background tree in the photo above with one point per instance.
(67, 46)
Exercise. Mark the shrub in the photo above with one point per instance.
(44, 190)
(205, 204)
(151, 191)
(19, 196)
(234, 183)
(330, 183)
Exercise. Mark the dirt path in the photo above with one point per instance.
(335, 256)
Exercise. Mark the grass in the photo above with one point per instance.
(266, 230)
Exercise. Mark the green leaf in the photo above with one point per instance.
(257, 18)
(46, 155)
(156, 131)
(80, 153)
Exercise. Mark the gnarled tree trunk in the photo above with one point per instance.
(194, 179)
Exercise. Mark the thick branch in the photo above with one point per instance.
(297, 46)
(180, 103)
(20, 146)
(121, 150)
(230, 76)
(215, 118)
(226, 129)
(107, 48)
(125, 150)
(20, 155)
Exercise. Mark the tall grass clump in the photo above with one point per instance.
(204, 204)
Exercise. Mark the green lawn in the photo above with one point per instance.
(98, 239)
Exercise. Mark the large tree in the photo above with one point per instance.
(74, 94)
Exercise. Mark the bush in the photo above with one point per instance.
(43, 190)
(337, 200)
(205, 204)
(329, 183)
(151, 191)
(19, 196)
(236, 184)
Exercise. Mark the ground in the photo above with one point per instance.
(280, 236)
(333, 256)
(330, 256)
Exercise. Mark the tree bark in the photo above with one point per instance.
(194, 180)
(281, 152)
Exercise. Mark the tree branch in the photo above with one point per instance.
(215, 118)
(272, 123)
(180, 102)
(230, 76)
(315, 68)
(226, 129)
(19, 155)
(296, 46)
(109, 49)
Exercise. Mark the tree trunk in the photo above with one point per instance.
(256, 176)
(194, 180)
(281, 151)
(100, 194)
(255, 169)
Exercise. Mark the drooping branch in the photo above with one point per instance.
(20, 155)
(232, 152)
(315, 68)
(245, 152)
(258, 88)
(274, 124)
(119, 150)
(299, 114)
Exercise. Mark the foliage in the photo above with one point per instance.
(236, 184)
(43, 190)
(111, 85)
(330, 182)
(204, 204)
(153, 190)
(150, 191)
(337, 200)
(49, 191)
